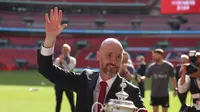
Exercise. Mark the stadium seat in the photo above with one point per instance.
(82, 61)
(123, 1)
(4, 43)
(163, 44)
(87, 21)
(82, 0)
(12, 54)
(82, 44)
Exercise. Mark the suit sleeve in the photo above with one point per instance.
(137, 99)
(57, 75)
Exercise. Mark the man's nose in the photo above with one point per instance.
(113, 60)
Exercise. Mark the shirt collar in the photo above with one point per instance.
(109, 82)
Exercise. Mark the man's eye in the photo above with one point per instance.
(109, 55)
(119, 57)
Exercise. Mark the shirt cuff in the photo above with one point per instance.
(46, 51)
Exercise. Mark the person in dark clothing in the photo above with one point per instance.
(59, 93)
(160, 71)
(141, 72)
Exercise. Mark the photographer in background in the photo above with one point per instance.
(191, 68)
(190, 80)
(182, 97)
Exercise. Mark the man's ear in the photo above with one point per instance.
(98, 55)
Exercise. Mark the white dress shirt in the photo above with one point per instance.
(97, 88)
(46, 51)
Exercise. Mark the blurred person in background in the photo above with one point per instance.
(182, 97)
(160, 71)
(127, 69)
(66, 62)
(141, 72)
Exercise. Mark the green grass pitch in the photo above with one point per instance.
(15, 94)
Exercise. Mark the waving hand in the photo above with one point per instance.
(53, 26)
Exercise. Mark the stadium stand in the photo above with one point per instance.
(87, 21)
(92, 1)
(123, 1)
(22, 48)
(86, 56)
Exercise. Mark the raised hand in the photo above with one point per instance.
(62, 58)
(53, 26)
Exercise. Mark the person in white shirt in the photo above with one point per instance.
(66, 62)
(182, 97)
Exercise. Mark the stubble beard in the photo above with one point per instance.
(109, 72)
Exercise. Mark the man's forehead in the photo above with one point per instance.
(113, 52)
(112, 48)
(110, 42)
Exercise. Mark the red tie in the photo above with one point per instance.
(102, 94)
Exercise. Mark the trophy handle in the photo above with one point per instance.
(142, 110)
(97, 103)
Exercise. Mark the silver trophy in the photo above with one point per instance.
(120, 104)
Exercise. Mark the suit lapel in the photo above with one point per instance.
(93, 81)
(91, 86)
(114, 89)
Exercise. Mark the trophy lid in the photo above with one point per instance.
(122, 95)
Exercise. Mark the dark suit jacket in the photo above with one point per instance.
(84, 84)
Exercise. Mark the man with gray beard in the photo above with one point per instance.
(160, 71)
(90, 86)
